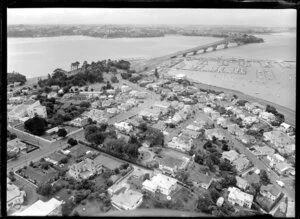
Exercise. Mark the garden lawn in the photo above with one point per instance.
(108, 162)
(38, 174)
(91, 208)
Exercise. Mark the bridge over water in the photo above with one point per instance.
(151, 63)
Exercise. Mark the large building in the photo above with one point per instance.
(13, 195)
(85, 169)
(128, 200)
(161, 183)
(236, 196)
(40, 208)
(37, 109)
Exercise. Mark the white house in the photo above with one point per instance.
(127, 200)
(13, 195)
(124, 126)
(38, 109)
(85, 169)
(270, 191)
(236, 196)
(161, 183)
(267, 116)
(231, 155)
(40, 208)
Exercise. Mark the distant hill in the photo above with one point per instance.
(15, 77)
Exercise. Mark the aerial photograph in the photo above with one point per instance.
(154, 112)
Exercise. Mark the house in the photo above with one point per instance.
(214, 115)
(270, 191)
(37, 109)
(125, 89)
(150, 114)
(207, 110)
(180, 77)
(85, 169)
(275, 158)
(200, 180)
(52, 95)
(282, 167)
(16, 144)
(127, 200)
(193, 127)
(221, 120)
(124, 127)
(14, 196)
(52, 130)
(250, 120)
(160, 125)
(267, 116)
(236, 196)
(242, 183)
(181, 143)
(161, 183)
(262, 151)
(285, 127)
(79, 122)
(112, 111)
(124, 106)
(55, 87)
(220, 201)
(218, 133)
(249, 106)
(170, 164)
(257, 111)
(107, 103)
(241, 163)
(95, 114)
(40, 208)
(191, 133)
(234, 129)
(278, 138)
(126, 138)
(288, 149)
(290, 213)
(247, 139)
(231, 155)
(132, 102)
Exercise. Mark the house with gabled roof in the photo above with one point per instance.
(270, 191)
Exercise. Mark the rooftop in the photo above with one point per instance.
(40, 208)
(270, 188)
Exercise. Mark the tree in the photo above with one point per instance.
(215, 158)
(67, 208)
(44, 189)
(72, 142)
(228, 181)
(36, 125)
(147, 176)
(210, 164)
(85, 104)
(264, 178)
(62, 132)
(225, 165)
(241, 102)
(214, 194)
(203, 203)
(154, 136)
(235, 96)
(271, 109)
(225, 147)
(156, 73)
(114, 79)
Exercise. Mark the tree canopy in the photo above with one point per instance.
(36, 125)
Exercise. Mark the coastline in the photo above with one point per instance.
(290, 115)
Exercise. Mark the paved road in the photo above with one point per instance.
(45, 149)
(155, 213)
(261, 165)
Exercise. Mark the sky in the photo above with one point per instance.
(245, 17)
